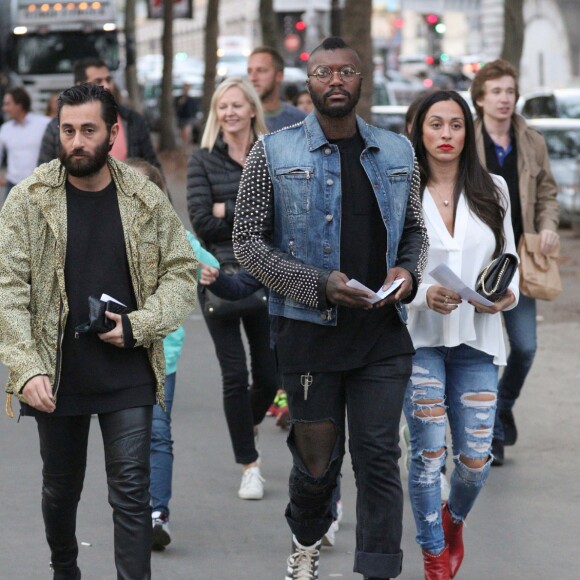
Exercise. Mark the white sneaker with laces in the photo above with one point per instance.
(161, 536)
(252, 486)
(303, 562)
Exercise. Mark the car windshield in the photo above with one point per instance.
(56, 52)
(570, 106)
(562, 143)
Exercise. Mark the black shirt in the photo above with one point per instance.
(97, 377)
(361, 337)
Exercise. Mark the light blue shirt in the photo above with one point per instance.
(21, 141)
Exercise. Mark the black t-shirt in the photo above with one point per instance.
(361, 337)
(97, 377)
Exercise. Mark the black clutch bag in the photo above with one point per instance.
(98, 322)
(495, 278)
(222, 309)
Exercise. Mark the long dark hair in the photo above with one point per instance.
(482, 194)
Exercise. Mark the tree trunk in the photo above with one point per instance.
(357, 33)
(513, 34)
(335, 18)
(167, 114)
(131, 57)
(210, 49)
(268, 24)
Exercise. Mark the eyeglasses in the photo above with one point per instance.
(325, 73)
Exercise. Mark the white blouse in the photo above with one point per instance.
(467, 252)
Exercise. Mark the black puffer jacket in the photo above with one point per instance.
(136, 131)
(213, 178)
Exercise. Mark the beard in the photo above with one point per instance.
(319, 102)
(87, 165)
(268, 92)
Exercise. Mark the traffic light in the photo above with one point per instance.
(435, 30)
(434, 23)
(293, 37)
(431, 19)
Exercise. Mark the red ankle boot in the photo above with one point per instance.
(454, 539)
(436, 566)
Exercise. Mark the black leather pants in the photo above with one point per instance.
(63, 448)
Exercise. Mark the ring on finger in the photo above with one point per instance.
(446, 301)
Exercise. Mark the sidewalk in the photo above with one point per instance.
(524, 527)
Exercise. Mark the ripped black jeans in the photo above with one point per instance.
(372, 397)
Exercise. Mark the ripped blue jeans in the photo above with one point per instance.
(458, 385)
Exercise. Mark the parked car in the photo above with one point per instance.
(563, 141)
(550, 103)
(466, 95)
(404, 88)
(383, 93)
(152, 99)
(391, 117)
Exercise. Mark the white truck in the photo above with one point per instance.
(40, 41)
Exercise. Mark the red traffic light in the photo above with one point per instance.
(432, 19)
(304, 56)
(300, 25)
(430, 60)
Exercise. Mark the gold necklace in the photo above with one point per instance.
(445, 201)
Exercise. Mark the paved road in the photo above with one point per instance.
(525, 525)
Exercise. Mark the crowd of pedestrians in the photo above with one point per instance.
(316, 237)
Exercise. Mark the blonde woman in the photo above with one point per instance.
(235, 121)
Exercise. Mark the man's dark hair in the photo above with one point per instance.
(88, 93)
(81, 66)
(333, 43)
(276, 56)
(20, 97)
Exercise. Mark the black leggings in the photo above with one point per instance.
(244, 406)
(63, 448)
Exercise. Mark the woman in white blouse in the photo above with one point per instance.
(459, 344)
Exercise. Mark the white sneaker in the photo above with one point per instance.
(303, 562)
(252, 486)
(161, 536)
(329, 539)
(445, 487)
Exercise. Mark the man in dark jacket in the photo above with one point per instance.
(134, 139)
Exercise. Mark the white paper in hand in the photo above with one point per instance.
(107, 298)
(446, 277)
(379, 294)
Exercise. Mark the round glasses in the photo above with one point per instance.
(325, 73)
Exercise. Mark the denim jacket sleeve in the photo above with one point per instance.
(252, 237)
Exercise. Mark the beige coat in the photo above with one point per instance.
(33, 301)
(538, 190)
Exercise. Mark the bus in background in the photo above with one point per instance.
(40, 42)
